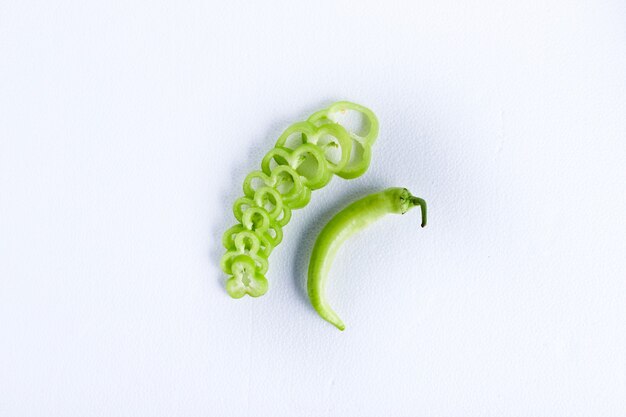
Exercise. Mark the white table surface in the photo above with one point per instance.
(126, 129)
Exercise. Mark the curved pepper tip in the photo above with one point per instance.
(337, 323)
(332, 317)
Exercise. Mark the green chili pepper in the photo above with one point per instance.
(305, 158)
(344, 224)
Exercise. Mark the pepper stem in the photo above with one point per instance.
(416, 201)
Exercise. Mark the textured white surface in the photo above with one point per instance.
(126, 129)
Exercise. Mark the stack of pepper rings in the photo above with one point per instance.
(305, 158)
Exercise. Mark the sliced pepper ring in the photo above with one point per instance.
(334, 112)
(245, 279)
(245, 237)
(241, 205)
(342, 138)
(226, 263)
(295, 159)
(297, 196)
(357, 164)
(280, 213)
(362, 141)
(278, 234)
(266, 225)
(302, 133)
(250, 218)
(228, 240)
(284, 219)
(265, 194)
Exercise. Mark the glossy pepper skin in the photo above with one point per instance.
(344, 224)
(306, 156)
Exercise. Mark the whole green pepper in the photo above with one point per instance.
(344, 224)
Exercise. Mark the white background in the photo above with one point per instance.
(126, 129)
